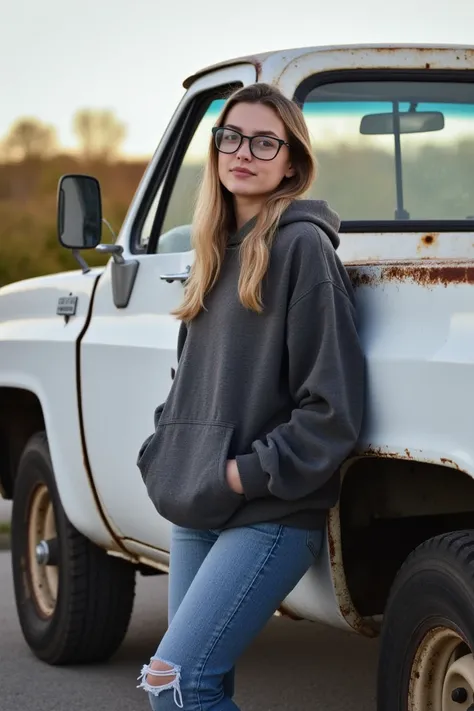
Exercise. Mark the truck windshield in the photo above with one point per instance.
(394, 150)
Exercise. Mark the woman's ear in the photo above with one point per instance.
(289, 173)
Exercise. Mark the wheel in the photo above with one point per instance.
(74, 601)
(426, 661)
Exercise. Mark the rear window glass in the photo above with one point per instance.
(394, 150)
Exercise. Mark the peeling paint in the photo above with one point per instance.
(426, 273)
(450, 463)
(381, 453)
(429, 274)
(361, 278)
(467, 53)
(391, 56)
(346, 606)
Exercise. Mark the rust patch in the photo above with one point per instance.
(430, 275)
(343, 596)
(331, 544)
(361, 278)
(406, 454)
(428, 240)
(427, 65)
(426, 273)
(379, 452)
(468, 52)
(450, 463)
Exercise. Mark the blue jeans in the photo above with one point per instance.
(224, 586)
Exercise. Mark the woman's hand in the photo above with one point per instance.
(233, 477)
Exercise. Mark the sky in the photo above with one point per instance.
(131, 56)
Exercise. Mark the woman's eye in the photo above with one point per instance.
(231, 137)
(266, 143)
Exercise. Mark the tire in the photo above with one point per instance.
(75, 612)
(427, 635)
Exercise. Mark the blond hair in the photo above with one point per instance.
(214, 213)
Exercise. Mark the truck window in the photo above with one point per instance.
(175, 229)
(394, 150)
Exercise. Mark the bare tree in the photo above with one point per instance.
(100, 133)
(29, 138)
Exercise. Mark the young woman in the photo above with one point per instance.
(266, 404)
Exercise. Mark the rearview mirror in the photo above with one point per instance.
(410, 122)
(79, 212)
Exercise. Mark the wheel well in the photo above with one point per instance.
(21, 415)
(387, 508)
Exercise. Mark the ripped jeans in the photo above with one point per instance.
(224, 586)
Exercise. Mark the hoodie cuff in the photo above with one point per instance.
(253, 478)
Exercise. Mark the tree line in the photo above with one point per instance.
(99, 133)
(31, 164)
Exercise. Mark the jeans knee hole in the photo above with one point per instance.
(171, 670)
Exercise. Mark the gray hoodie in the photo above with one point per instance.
(281, 392)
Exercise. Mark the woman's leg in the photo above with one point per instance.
(188, 550)
(245, 576)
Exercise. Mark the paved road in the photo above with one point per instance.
(290, 666)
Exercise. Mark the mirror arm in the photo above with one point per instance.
(115, 250)
(81, 261)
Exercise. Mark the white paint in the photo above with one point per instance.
(37, 353)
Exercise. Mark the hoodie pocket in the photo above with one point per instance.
(183, 466)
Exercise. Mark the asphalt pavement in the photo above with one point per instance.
(291, 666)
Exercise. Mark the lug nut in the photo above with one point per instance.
(42, 553)
(47, 552)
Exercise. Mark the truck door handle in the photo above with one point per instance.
(179, 276)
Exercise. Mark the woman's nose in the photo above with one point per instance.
(244, 150)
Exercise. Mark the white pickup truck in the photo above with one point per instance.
(86, 356)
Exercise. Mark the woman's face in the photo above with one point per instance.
(243, 174)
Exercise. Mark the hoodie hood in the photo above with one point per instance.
(316, 211)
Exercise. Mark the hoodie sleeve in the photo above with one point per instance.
(326, 377)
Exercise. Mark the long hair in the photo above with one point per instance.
(214, 212)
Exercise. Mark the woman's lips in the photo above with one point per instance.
(242, 173)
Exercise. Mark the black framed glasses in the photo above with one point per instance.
(229, 140)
